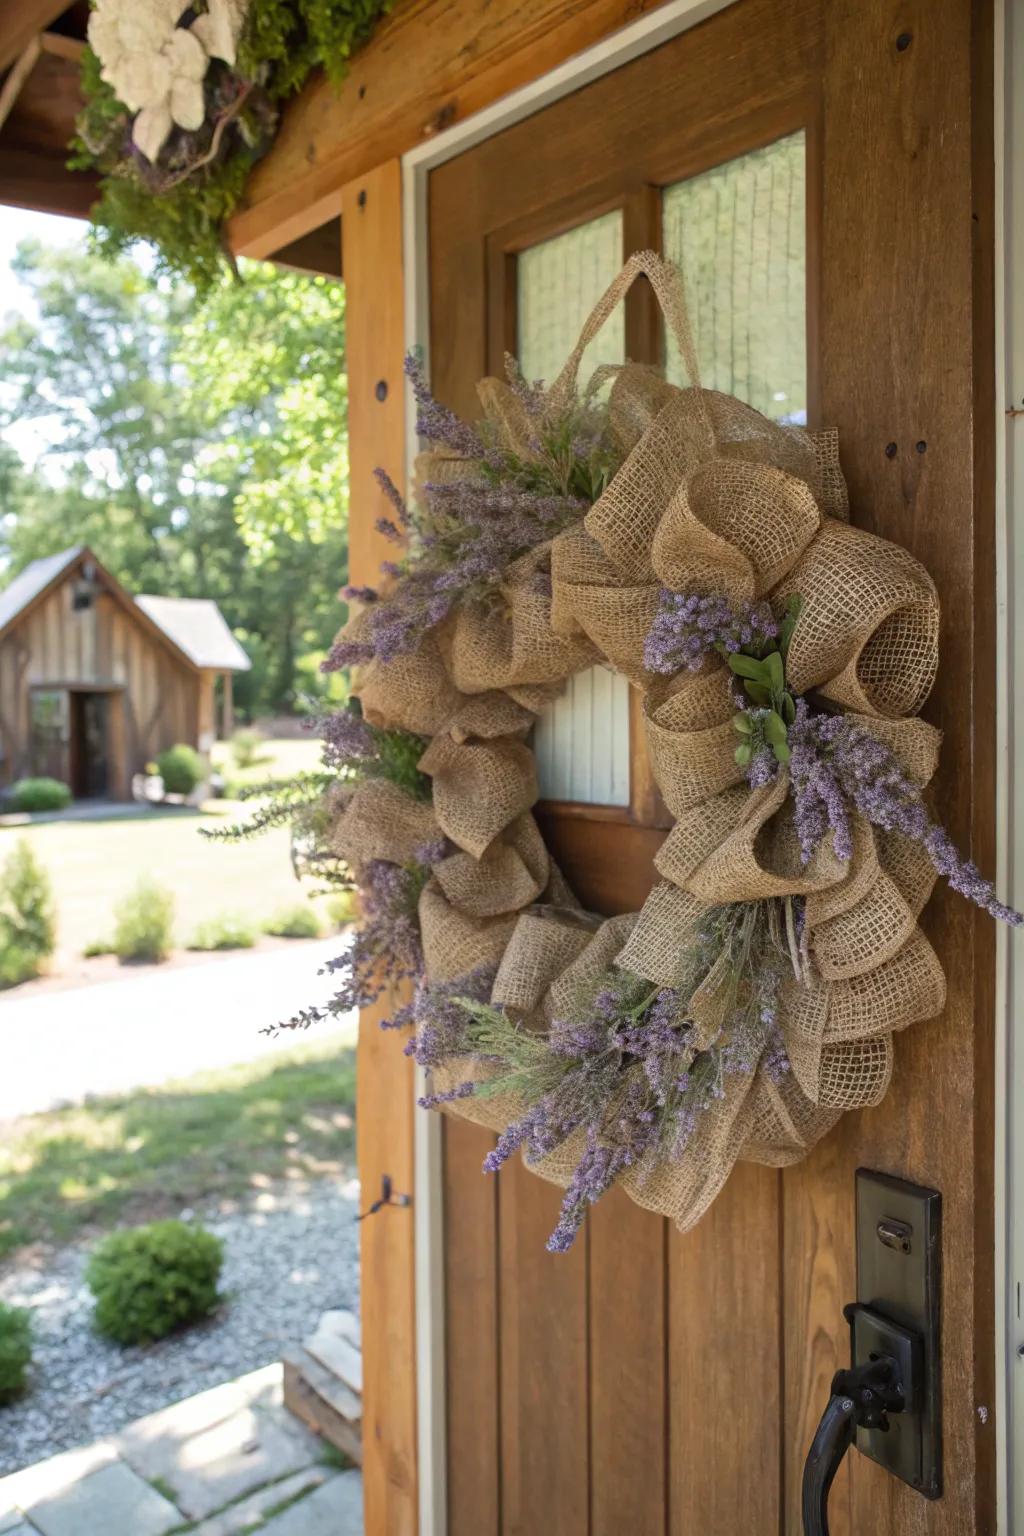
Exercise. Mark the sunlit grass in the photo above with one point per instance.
(218, 1134)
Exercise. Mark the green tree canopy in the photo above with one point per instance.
(199, 446)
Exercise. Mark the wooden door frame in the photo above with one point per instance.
(644, 36)
(1009, 1128)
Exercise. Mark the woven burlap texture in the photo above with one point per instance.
(711, 497)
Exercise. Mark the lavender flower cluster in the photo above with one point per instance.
(688, 627)
(466, 532)
(385, 950)
(624, 1068)
(837, 764)
(356, 750)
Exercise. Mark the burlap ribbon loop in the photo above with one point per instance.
(544, 943)
(512, 642)
(507, 876)
(455, 943)
(380, 821)
(413, 692)
(868, 634)
(479, 787)
(736, 528)
(761, 857)
(691, 740)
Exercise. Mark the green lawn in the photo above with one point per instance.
(220, 1134)
(93, 863)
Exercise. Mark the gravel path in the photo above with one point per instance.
(290, 1254)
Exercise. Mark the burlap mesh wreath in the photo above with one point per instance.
(710, 497)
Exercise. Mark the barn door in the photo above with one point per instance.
(810, 165)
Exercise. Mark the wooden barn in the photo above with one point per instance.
(844, 178)
(94, 683)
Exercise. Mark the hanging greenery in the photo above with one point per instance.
(182, 100)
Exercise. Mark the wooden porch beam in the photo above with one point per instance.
(22, 20)
(372, 260)
(429, 64)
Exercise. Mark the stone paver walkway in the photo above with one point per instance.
(227, 1462)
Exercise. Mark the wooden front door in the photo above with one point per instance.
(820, 168)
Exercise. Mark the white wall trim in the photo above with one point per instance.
(640, 37)
(1009, 512)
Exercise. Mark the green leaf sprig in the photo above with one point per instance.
(762, 672)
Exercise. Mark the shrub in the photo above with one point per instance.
(151, 1280)
(28, 929)
(342, 908)
(143, 922)
(245, 748)
(181, 769)
(40, 795)
(15, 1351)
(298, 922)
(224, 932)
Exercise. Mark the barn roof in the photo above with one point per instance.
(197, 627)
(28, 584)
(194, 626)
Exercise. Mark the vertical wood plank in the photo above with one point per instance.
(903, 304)
(629, 1451)
(724, 1424)
(471, 1331)
(544, 1365)
(372, 263)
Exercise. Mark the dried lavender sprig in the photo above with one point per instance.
(689, 626)
(624, 1066)
(837, 763)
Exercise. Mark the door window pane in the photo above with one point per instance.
(739, 234)
(582, 740)
(558, 283)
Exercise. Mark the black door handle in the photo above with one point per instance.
(864, 1395)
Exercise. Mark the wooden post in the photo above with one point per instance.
(227, 705)
(372, 264)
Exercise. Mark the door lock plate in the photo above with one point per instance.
(898, 1314)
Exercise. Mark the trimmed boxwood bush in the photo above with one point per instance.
(294, 923)
(225, 932)
(40, 795)
(181, 769)
(153, 1279)
(143, 923)
(28, 929)
(15, 1351)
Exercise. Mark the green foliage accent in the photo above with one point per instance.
(181, 769)
(198, 446)
(227, 932)
(15, 1351)
(296, 922)
(28, 928)
(143, 923)
(32, 795)
(763, 674)
(342, 909)
(397, 756)
(182, 209)
(247, 749)
(152, 1280)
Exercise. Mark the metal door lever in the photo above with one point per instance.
(863, 1396)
